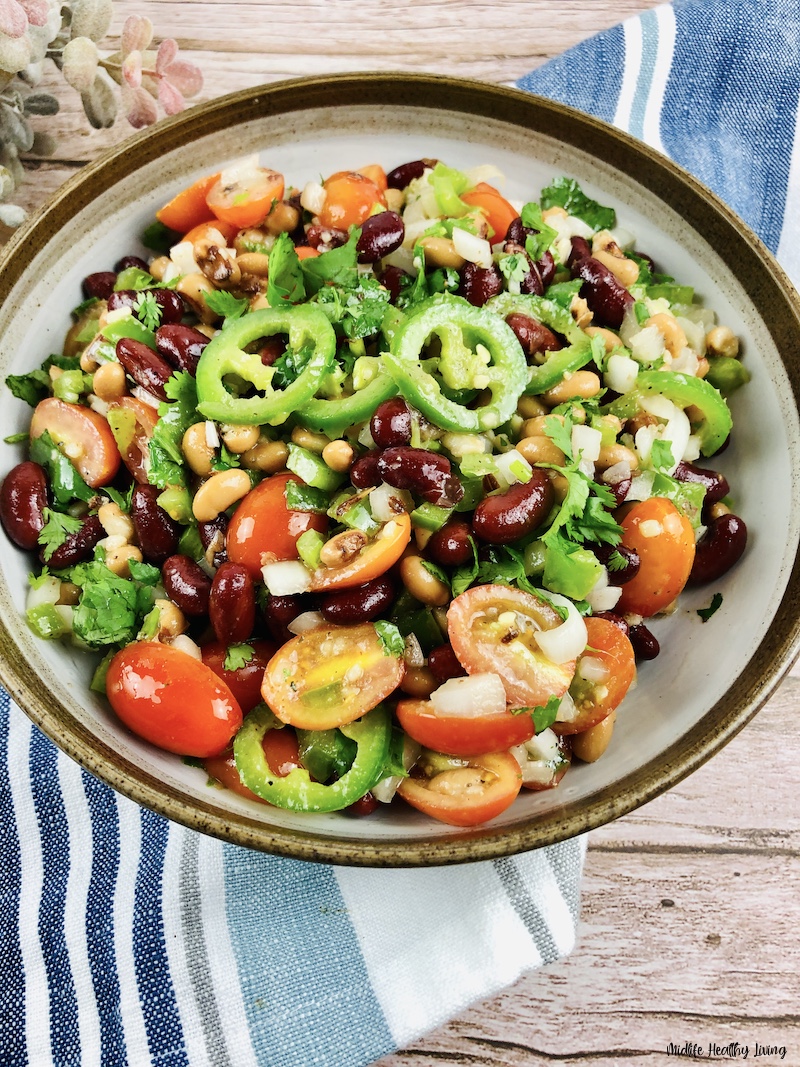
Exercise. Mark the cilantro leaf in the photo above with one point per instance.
(661, 457)
(390, 638)
(706, 613)
(31, 387)
(543, 715)
(160, 238)
(145, 573)
(237, 656)
(133, 278)
(566, 193)
(123, 501)
(357, 311)
(15, 438)
(226, 304)
(616, 562)
(536, 244)
(65, 481)
(560, 433)
(288, 367)
(336, 267)
(110, 608)
(166, 457)
(285, 283)
(226, 460)
(514, 267)
(563, 293)
(148, 311)
(56, 530)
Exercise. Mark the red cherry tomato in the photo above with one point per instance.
(189, 207)
(245, 681)
(262, 525)
(133, 428)
(245, 198)
(82, 435)
(374, 559)
(349, 200)
(608, 647)
(664, 539)
(463, 735)
(283, 756)
(465, 796)
(496, 209)
(172, 700)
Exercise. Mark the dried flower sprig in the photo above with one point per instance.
(67, 34)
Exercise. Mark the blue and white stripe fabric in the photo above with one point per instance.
(127, 941)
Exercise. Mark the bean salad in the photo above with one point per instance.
(369, 489)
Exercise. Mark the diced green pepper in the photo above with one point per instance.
(430, 516)
(313, 469)
(128, 326)
(324, 753)
(726, 374)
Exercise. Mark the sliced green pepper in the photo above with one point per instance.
(332, 417)
(685, 391)
(225, 355)
(128, 326)
(296, 792)
(463, 331)
(558, 363)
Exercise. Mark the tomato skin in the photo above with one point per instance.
(350, 199)
(496, 209)
(529, 677)
(307, 252)
(172, 700)
(136, 456)
(263, 524)
(283, 756)
(79, 430)
(245, 200)
(244, 682)
(374, 559)
(442, 798)
(607, 643)
(665, 559)
(330, 676)
(463, 736)
(198, 233)
(375, 173)
(189, 207)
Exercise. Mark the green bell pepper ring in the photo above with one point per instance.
(224, 355)
(296, 792)
(332, 417)
(685, 391)
(558, 363)
(459, 326)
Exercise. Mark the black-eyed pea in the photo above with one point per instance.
(158, 267)
(109, 381)
(420, 583)
(541, 449)
(722, 341)
(118, 559)
(240, 439)
(625, 270)
(552, 213)
(419, 682)
(671, 331)
(583, 384)
(115, 522)
(342, 548)
(283, 218)
(610, 339)
(219, 493)
(530, 407)
(197, 449)
(171, 620)
(266, 456)
(394, 200)
(580, 311)
(252, 238)
(88, 363)
(314, 442)
(194, 288)
(610, 455)
(441, 252)
(703, 367)
(592, 743)
(253, 263)
(338, 455)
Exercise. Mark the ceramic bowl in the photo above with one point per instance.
(710, 678)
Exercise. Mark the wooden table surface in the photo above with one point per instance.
(691, 905)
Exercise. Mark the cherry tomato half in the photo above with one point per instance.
(350, 197)
(374, 559)
(172, 700)
(189, 207)
(226, 230)
(282, 753)
(463, 735)
(491, 628)
(245, 198)
(496, 209)
(245, 681)
(82, 435)
(465, 795)
(608, 647)
(547, 773)
(330, 676)
(132, 431)
(262, 525)
(664, 539)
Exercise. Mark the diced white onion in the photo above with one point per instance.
(592, 669)
(414, 230)
(309, 620)
(567, 641)
(402, 258)
(686, 362)
(512, 467)
(365, 437)
(658, 405)
(586, 443)
(473, 248)
(65, 613)
(621, 373)
(643, 441)
(212, 435)
(313, 197)
(171, 271)
(146, 397)
(286, 577)
(544, 746)
(692, 450)
(567, 711)
(641, 486)
(187, 645)
(647, 345)
(47, 592)
(602, 596)
(182, 255)
(695, 334)
(385, 502)
(102, 407)
(486, 172)
(537, 757)
(477, 694)
(617, 473)
(240, 168)
(413, 654)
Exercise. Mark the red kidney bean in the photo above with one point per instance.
(547, 268)
(581, 249)
(213, 533)
(380, 235)
(364, 473)
(232, 604)
(479, 284)
(611, 617)
(645, 644)
(144, 365)
(392, 278)
(532, 282)
(363, 806)
(532, 335)
(623, 574)
(23, 498)
(361, 604)
(608, 300)
(271, 350)
(78, 546)
(619, 489)
(187, 584)
(716, 485)
(423, 472)
(400, 177)
(718, 549)
(181, 346)
(508, 516)
(171, 303)
(99, 285)
(131, 261)
(156, 532)
(443, 663)
(391, 423)
(323, 238)
(279, 612)
(516, 233)
(451, 545)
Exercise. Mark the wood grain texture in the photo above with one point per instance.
(691, 905)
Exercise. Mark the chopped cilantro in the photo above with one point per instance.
(31, 387)
(560, 433)
(65, 481)
(237, 656)
(357, 311)
(537, 244)
(134, 278)
(56, 530)
(160, 238)
(148, 311)
(390, 638)
(661, 457)
(436, 571)
(145, 573)
(226, 304)
(288, 367)
(110, 609)
(616, 561)
(285, 284)
(514, 267)
(566, 193)
(706, 613)
(98, 682)
(226, 460)
(543, 716)
(122, 500)
(336, 267)
(166, 457)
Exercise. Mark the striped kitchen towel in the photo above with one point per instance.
(128, 941)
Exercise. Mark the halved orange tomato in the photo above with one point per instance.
(609, 652)
(463, 735)
(189, 207)
(467, 794)
(496, 209)
(374, 559)
(244, 196)
(82, 435)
